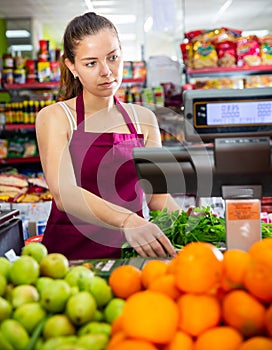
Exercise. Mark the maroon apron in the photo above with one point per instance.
(103, 165)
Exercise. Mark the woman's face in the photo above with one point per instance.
(99, 64)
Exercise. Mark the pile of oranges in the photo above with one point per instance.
(202, 299)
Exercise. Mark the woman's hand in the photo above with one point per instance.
(147, 238)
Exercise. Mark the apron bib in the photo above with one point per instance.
(103, 165)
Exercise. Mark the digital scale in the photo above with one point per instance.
(227, 154)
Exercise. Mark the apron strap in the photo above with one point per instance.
(80, 111)
(126, 116)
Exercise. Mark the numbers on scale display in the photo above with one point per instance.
(230, 113)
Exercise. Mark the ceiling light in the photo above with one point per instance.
(17, 33)
(89, 5)
(19, 48)
(222, 9)
(148, 24)
(122, 19)
(103, 3)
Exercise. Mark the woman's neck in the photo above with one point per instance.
(93, 104)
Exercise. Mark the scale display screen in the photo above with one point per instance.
(213, 114)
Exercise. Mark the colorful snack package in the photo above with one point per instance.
(205, 55)
(248, 51)
(226, 51)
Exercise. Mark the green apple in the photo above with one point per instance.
(25, 270)
(4, 343)
(98, 315)
(8, 292)
(80, 307)
(113, 309)
(78, 273)
(3, 285)
(42, 282)
(55, 342)
(29, 315)
(22, 294)
(5, 266)
(58, 325)
(93, 341)
(70, 347)
(15, 334)
(100, 289)
(95, 327)
(5, 309)
(37, 250)
(54, 265)
(54, 295)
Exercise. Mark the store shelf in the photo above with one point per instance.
(133, 81)
(32, 86)
(20, 160)
(229, 71)
(19, 126)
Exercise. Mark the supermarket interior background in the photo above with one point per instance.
(133, 19)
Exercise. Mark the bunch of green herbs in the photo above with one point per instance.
(182, 228)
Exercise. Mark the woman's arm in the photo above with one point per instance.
(52, 129)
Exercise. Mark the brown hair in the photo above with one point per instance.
(77, 29)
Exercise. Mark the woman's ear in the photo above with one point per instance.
(71, 67)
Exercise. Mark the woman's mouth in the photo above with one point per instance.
(108, 84)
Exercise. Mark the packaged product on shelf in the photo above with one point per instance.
(8, 60)
(219, 83)
(127, 70)
(7, 76)
(258, 81)
(248, 51)
(226, 51)
(31, 73)
(55, 71)
(158, 93)
(44, 72)
(148, 98)
(139, 69)
(266, 49)
(19, 76)
(3, 148)
(204, 55)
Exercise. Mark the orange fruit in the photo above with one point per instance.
(199, 268)
(268, 321)
(234, 266)
(198, 313)
(258, 276)
(256, 343)
(181, 340)
(133, 344)
(152, 316)
(166, 284)
(125, 280)
(244, 312)
(117, 324)
(172, 265)
(262, 250)
(153, 269)
(116, 339)
(219, 338)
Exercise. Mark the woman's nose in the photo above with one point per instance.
(104, 69)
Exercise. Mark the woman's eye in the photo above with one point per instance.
(91, 64)
(114, 57)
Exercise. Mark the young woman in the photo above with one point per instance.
(85, 144)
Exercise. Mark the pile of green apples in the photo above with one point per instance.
(45, 303)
